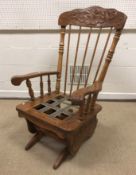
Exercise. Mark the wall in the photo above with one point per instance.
(23, 52)
(41, 14)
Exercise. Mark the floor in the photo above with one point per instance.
(111, 151)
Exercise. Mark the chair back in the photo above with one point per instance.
(90, 36)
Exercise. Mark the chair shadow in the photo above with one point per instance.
(46, 150)
(96, 147)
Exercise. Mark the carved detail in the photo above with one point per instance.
(117, 34)
(61, 47)
(94, 16)
(110, 54)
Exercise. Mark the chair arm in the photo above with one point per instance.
(17, 80)
(78, 96)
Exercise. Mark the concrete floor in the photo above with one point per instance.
(111, 151)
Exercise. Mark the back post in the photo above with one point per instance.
(106, 64)
(109, 55)
(60, 58)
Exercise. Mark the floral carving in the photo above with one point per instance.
(94, 16)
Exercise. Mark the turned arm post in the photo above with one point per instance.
(49, 85)
(41, 87)
(31, 92)
(60, 59)
(18, 79)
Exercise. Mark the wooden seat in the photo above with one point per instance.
(69, 112)
(57, 112)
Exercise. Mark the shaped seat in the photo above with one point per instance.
(68, 113)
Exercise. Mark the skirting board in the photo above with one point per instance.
(102, 95)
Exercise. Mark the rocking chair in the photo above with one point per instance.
(69, 112)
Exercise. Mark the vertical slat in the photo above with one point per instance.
(84, 57)
(31, 92)
(75, 60)
(102, 56)
(41, 86)
(106, 65)
(60, 59)
(93, 55)
(49, 85)
(67, 58)
(109, 55)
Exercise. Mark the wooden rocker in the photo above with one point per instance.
(69, 112)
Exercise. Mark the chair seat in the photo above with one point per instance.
(54, 112)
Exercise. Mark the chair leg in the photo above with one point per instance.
(33, 140)
(62, 156)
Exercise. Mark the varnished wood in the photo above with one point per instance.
(109, 55)
(75, 60)
(18, 79)
(80, 94)
(41, 87)
(31, 127)
(31, 92)
(92, 105)
(92, 58)
(71, 119)
(62, 156)
(67, 59)
(88, 104)
(84, 57)
(94, 16)
(60, 59)
(102, 56)
(33, 140)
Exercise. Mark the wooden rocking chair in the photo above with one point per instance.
(69, 115)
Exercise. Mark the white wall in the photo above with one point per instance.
(42, 14)
(21, 53)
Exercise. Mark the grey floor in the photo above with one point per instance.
(111, 151)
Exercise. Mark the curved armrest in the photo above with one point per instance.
(17, 80)
(78, 95)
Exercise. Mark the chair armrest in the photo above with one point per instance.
(18, 79)
(79, 95)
